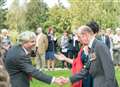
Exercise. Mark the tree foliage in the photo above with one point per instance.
(29, 16)
(59, 18)
(37, 14)
(2, 14)
(16, 19)
(106, 13)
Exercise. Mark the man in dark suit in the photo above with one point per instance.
(101, 68)
(19, 66)
(104, 38)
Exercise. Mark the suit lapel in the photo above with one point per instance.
(93, 64)
(93, 44)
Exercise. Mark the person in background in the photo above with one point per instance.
(5, 42)
(19, 66)
(64, 43)
(74, 46)
(41, 46)
(104, 38)
(50, 58)
(109, 33)
(94, 27)
(116, 48)
(6, 38)
(4, 76)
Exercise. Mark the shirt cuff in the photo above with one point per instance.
(53, 80)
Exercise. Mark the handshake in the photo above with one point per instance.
(61, 80)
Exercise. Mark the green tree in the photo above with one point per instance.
(59, 18)
(37, 14)
(106, 13)
(2, 14)
(16, 19)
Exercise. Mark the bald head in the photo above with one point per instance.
(39, 30)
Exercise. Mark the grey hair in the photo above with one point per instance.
(26, 36)
(84, 29)
(4, 31)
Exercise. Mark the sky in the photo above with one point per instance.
(53, 2)
(49, 2)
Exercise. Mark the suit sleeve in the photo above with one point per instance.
(82, 74)
(107, 64)
(25, 65)
(77, 77)
(37, 40)
(108, 41)
(46, 42)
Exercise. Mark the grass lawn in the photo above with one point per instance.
(36, 83)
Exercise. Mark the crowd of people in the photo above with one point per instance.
(90, 53)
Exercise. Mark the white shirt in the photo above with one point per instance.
(91, 42)
(26, 52)
(74, 39)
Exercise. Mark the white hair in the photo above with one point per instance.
(4, 31)
(26, 36)
(83, 29)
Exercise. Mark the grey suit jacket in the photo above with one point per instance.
(20, 68)
(102, 69)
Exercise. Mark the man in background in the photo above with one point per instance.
(41, 45)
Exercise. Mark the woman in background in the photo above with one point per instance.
(51, 50)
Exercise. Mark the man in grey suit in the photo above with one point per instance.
(101, 68)
(19, 66)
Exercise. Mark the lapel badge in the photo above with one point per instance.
(93, 56)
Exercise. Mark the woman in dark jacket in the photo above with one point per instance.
(51, 50)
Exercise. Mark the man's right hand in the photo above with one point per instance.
(61, 80)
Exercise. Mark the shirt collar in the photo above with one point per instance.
(26, 52)
(91, 42)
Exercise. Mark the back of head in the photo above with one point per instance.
(94, 26)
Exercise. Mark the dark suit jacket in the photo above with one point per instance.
(107, 40)
(102, 69)
(20, 68)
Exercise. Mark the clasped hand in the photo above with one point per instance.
(61, 80)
